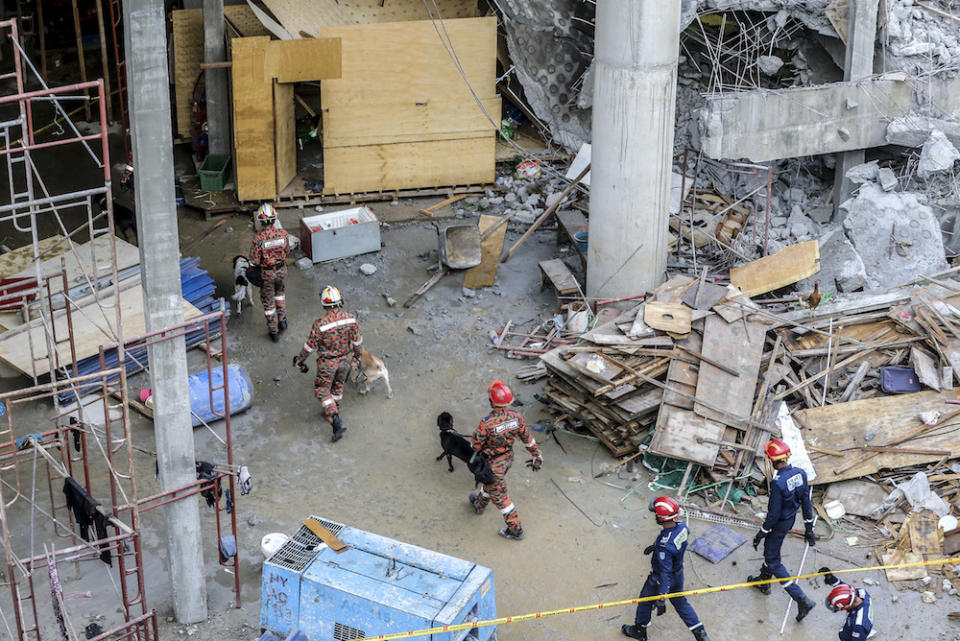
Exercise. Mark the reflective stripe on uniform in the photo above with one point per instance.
(338, 397)
(532, 442)
(284, 297)
(508, 509)
(307, 348)
(274, 242)
(788, 584)
(328, 401)
(269, 312)
(339, 323)
(764, 530)
(482, 493)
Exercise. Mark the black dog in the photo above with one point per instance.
(124, 219)
(454, 444)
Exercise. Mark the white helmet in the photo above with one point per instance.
(266, 214)
(330, 296)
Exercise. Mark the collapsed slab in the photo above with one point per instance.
(841, 268)
(896, 235)
(769, 125)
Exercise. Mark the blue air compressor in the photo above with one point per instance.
(375, 586)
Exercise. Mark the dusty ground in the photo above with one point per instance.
(383, 477)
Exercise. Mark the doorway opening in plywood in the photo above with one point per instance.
(299, 138)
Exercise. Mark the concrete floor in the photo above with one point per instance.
(382, 476)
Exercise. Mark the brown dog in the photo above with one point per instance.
(371, 370)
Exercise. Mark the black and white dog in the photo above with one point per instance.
(124, 219)
(454, 444)
(243, 288)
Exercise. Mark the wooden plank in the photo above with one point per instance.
(408, 165)
(391, 122)
(187, 56)
(313, 17)
(560, 275)
(787, 266)
(668, 317)
(677, 433)
(16, 261)
(443, 203)
(485, 274)
(304, 60)
(244, 20)
(407, 62)
(92, 327)
(739, 346)
(843, 426)
(285, 135)
(325, 535)
(253, 128)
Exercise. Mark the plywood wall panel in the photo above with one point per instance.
(187, 56)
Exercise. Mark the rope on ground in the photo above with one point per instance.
(612, 604)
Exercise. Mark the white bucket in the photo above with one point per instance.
(272, 542)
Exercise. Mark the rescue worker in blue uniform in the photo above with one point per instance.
(666, 574)
(788, 493)
(856, 603)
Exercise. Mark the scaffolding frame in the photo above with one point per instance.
(46, 299)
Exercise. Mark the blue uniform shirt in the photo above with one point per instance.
(668, 552)
(859, 621)
(788, 493)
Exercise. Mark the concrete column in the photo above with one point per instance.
(215, 80)
(634, 96)
(858, 64)
(152, 139)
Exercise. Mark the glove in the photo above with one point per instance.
(299, 363)
(649, 549)
(809, 536)
(535, 463)
(661, 607)
(828, 578)
(757, 539)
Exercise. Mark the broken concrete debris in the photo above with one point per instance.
(938, 154)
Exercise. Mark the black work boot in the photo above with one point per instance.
(700, 634)
(510, 533)
(635, 631)
(765, 588)
(473, 503)
(338, 428)
(804, 606)
(275, 337)
(282, 324)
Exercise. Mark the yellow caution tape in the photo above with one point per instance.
(612, 604)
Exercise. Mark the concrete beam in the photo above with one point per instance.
(768, 125)
(152, 137)
(634, 101)
(215, 80)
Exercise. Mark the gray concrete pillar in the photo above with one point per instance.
(152, 140)
(858, 64)
(634, 96)
(215, 80)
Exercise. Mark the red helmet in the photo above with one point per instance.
(777, 450)
(666, 508)
(841, 597)
(500, 394)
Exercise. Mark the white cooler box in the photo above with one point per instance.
(340, 234)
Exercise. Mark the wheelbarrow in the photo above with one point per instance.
(459, 248)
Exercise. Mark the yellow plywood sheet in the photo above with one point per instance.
(187, 56)
(386, 122)
(787, 266)
(19, 260)
(253, 127)
(285, 134)
(409, 165)
(485, 274)
(246, 22)
(304, 60)
(844, 426)
(307, 18)
(407, 62)
(92, 327)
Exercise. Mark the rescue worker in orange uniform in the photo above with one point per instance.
(269, 252)
(336, 339)
(494, 440)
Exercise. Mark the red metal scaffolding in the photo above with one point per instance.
(48, 300)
